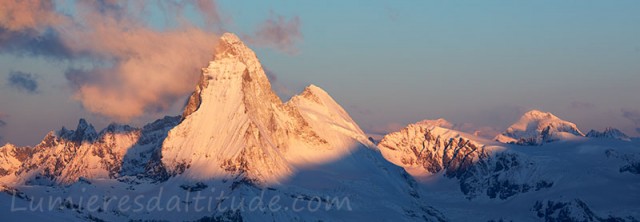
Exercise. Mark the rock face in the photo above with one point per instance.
(571, 210)
(609, 132)
(537, 127)
(66, 156)
(11, 157)
(431, 148)
(426, 148)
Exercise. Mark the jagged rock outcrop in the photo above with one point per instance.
(631, 161)
(571, 211)
(536, 127)
(66, 156)
(609, 132)
(11, 158)
(502, 175)
(427, 148)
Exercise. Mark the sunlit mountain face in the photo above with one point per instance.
(201, 130)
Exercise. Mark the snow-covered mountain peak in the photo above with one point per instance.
(427, 147)
(234, 124)
(441, 122)
(230, 46)
(312, 92)
(537, 127)
(326, 115)
(537, 114)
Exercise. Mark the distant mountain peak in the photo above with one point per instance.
(441, 122)
(537, 114)
(83, 132)
(609, 132)
(537, 127)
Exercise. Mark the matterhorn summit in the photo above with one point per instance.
(234, 124)
(536, 127)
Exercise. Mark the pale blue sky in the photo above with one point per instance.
(397, 62)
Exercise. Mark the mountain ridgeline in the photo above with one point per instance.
(236, 137)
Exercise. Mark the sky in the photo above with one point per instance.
(389, 63)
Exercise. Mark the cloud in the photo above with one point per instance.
(127, 67)
(633, 115)
(281, 90)
(360, 110)
(23, 81)
(277, 32)
(29, 16)
(25, 28)
(2, 122)
(480, 131)
(135, 68)
(392, 13)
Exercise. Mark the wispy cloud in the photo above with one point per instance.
(481, 131)
(278, 32)
(23, 81)
(136, 68)
(277, 86)
(385, 129)
(632, 115)
(2, 122)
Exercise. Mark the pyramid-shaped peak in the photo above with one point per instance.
(312, 88)
(229, 38)
(83, 124)
(84, 132)
(230, 46)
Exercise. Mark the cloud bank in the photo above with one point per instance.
(633, 116)
(23, 81)
(123, 67)
(2, 122)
